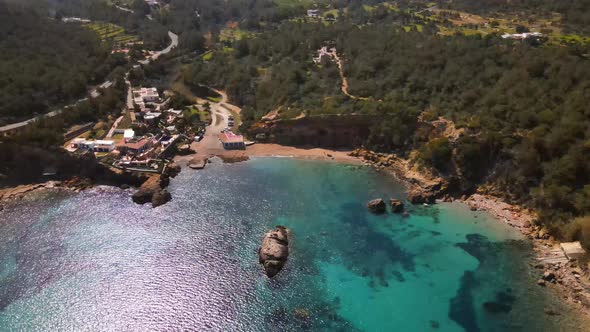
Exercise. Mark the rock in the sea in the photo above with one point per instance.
(419, 197)
(274, 250)
(397, 206)
(161, 197)
(376, 205)
(541, 282)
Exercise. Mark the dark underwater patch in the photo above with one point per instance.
(477, 246)
(461, 307)
(374, 254)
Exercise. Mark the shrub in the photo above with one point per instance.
(579, 230)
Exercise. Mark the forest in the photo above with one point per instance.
(45, 62)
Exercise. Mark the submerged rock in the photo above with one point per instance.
(495, 307)
(274, 250)
(397, 206)
(376, 205)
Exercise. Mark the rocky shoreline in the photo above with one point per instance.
(570, 279)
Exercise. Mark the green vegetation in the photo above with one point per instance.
(125, 123)
(207, 56)
(198, 114)
(111, 33)
(233, 34)
(575, 14)
(45, 63)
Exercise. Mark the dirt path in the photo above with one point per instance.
(344, 86)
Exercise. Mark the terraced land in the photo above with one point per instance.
(112, 33)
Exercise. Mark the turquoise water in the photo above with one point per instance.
(94, 261)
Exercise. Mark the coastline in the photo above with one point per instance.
(571, 280)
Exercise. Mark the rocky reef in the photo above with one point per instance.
(274, 250)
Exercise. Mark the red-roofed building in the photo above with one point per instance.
(232, 141)
(135, 146)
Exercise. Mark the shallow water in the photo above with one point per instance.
(94, 261)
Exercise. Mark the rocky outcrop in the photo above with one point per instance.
(397, 206)
(185, 149)
(145, 193)
(376, 205)
(198, 162)
(417, 196)
(171, 170)
(152, 191)
(161, 197)
(274, 250)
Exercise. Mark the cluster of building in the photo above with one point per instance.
(324, 56)
(145, 97)
(142, 152)
(522, 36)
(315, 13)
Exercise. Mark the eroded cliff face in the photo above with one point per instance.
(338, 131)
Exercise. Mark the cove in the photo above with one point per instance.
(96, 261)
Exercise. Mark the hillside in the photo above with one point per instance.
(44, 62)
(520, 105)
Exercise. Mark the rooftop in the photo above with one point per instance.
(135, 145)
(229, 137)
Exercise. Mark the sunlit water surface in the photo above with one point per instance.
(95, 261)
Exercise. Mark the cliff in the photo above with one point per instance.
(333, 131)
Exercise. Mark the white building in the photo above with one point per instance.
(324, 56)
(522, 36)
(313, 12)
(143, 96)
(94, 146)
(128, 134)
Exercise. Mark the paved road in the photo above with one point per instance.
(173, 44)
(114, 127)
